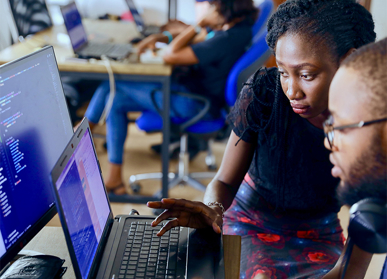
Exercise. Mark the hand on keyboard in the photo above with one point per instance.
(186, 214)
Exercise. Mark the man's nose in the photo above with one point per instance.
(326, 144)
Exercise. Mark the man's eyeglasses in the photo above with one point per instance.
(329, 129)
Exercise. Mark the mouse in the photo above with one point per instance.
(136, 40)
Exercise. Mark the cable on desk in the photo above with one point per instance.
(112, 93)
(133, 212)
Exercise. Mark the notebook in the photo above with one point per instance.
(125, 246)
(78, 37)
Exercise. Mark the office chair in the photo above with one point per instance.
(30, 16)
(149, 121)
(265, 10)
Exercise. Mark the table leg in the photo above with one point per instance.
(166, 136)
(172, 9)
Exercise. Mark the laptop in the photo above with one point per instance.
(145, 30)
(125, 246)
(78, 37)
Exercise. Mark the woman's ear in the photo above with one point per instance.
(349, 52)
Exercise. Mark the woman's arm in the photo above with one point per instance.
(179, 51)
(235, 164)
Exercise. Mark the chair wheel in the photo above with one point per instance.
(135, 188)
(212, 167)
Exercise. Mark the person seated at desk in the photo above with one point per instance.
(275, 178)
(210, 62)
(359, 93)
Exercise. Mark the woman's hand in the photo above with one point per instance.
(187, 214)
(174, 26)
(150, 43)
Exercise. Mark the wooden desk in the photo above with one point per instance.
(130, 69)
(99, 30)
(51, 241)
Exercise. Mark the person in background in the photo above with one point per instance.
(175, 26)
(358, 93)
(275, 180)
(209, 61)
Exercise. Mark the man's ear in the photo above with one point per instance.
(349, 52)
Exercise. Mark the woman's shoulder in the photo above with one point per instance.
(256, 103)
(263, 85)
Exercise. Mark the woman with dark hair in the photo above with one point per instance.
(275, 180)
(209, 58)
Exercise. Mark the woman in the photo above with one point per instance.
(284, 207)
(209, 59)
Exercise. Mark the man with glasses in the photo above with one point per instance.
(356, 133)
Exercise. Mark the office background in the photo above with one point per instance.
(154, 12)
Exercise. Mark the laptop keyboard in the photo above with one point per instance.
(114, 50)
(148, 256)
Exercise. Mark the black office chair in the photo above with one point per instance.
(30, 16)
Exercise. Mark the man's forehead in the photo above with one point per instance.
(348, 96)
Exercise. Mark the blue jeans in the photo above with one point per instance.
(130, 97)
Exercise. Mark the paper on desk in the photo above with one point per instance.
(150, 57)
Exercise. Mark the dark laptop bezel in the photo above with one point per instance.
(50, 213)
(55, 173)
(143, 28)
(78, 49)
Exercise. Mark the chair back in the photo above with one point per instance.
(265, 10)
(250, 62)
(30, 17)
(253, 58)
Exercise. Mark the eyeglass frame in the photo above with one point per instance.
(356, 125)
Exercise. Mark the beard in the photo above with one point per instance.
(367, 176)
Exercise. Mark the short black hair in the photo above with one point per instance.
(370, 62)
(340, 24)
(233, 9)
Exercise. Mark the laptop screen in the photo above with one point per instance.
(73, 22)
(84, 203)
(136, 16)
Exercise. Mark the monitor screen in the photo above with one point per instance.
(35, 127)
(30, 16)
(73, 22)
(85, 209)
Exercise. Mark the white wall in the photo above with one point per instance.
(154, 11)
(379, 12)
(5, 34)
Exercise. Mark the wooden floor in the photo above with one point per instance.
(139, 158)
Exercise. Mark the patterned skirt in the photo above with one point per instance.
(280, 246)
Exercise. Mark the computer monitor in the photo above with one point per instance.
(35, 127)
(30, 16)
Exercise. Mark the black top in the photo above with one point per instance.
(291, 167)
(216, 56)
